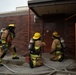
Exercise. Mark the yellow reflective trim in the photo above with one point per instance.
(59, 56)
(59, 46)
(3, 41)
(36, 48)
(14, 55)
(34, 62)
(34, 59)
(58, 52)
(32, 55)
(0, 46)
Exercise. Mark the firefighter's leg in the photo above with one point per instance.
(1, 62)
(36, 60)
(0, 55)
(60, 55)
(39, 61)
(30, 61)
(57, 56)
(52, 57)
(3, 52)
(0, 52)
(14, 53)
(62, 58)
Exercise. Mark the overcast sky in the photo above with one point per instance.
(10, 5)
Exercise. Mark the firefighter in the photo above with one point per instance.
(35, 50)
(6, 42)
(56, 48)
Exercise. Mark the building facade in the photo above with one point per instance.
(60, 16)
(27, 23)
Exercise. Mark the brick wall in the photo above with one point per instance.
(21, 23)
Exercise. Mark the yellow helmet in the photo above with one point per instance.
(11, 25)
(37, 35)
(56, 34)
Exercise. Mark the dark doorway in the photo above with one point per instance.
(48, 30)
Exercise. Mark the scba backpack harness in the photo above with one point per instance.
(34, 56)
(32, 48)
(63, 46)
(62, 43)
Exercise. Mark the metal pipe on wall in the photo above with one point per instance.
(75, 42)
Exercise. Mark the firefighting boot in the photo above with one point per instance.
(14, 54)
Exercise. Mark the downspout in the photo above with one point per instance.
(29, 25)
(27, 55)
(75, 42)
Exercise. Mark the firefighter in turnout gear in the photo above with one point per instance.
(6, 42)
(34, 47)
(56, 48)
